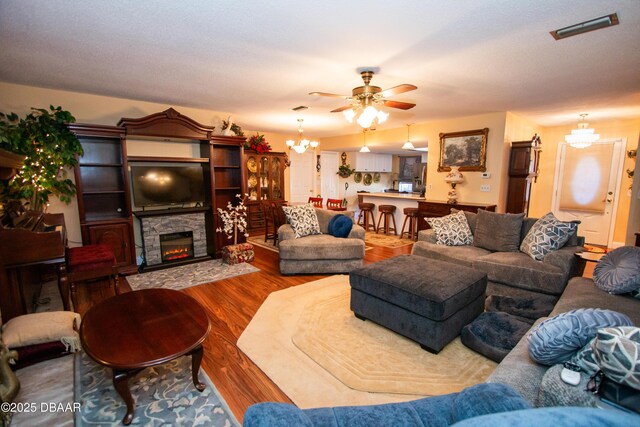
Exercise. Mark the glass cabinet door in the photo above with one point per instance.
(252, 178)
(276, 185)
(264, 178)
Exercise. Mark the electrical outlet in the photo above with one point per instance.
(430, 186)
(485, 188)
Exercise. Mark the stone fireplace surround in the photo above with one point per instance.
(154, 226)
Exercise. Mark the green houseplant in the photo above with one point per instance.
(345, 171)
(49, 146)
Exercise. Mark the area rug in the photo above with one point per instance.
(259, 241)
(189, 275)
(386, 241)
(164, 395)
(343, 360)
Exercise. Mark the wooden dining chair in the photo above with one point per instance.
(335, 205)
(279, 218)
(270, 229)
(316, 201)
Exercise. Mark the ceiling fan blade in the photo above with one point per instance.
(398, 104)
(338, 110)
(333, 95)
(398, 89)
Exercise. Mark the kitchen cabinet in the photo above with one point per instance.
(372, 162)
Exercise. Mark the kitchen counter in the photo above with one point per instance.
(407, 196)
(399, 200)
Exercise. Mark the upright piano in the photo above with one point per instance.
(39, 239)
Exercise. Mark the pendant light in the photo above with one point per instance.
(364, 148)
(408, 145)
(583, 136)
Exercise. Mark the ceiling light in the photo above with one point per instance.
(301, 144)
(364, 148)
(586, 26)
(408, 145)
(583, 136)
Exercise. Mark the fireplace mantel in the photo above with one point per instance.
(166, 212)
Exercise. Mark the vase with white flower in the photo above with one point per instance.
(234, 220)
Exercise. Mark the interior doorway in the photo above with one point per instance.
(587, 187)
(329, 163)
(301, 174)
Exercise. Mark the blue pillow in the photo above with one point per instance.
(558, 338)
(618, 272)
(340, 225)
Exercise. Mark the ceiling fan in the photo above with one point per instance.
(365, 99)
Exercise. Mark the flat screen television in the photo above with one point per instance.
(167, 185)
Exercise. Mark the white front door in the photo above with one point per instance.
(329, 163)
(587, 186)
(301, 176)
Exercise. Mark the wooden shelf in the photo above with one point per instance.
(90, 193)
(111, 165)
(168, 159)
(226, 166)
(227, 188)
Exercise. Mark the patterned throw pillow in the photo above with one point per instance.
(303, 219)
(617, 351)
(547, 235)
(451, 230)
(618, 272)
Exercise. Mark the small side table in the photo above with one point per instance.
(590, 256)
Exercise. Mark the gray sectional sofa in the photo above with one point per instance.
(513, 274)
(321, 253)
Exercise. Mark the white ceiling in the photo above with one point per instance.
(258, 59)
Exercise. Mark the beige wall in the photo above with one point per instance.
(95, 109)
(542, 191)
(469, 190)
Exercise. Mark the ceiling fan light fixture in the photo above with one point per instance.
(349, 114)
(382, 116)
(367, 117)
(583, 136)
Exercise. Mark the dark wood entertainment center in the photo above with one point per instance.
(102, 177)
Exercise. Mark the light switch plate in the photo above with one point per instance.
(485, 187)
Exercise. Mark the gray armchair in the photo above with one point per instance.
(320, 253)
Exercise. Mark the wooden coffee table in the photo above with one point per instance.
(136, 330)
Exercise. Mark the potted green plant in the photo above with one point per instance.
(49, 148)
(345, 171)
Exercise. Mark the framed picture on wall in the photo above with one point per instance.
(466, 149)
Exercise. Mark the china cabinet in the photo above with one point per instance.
(264, 180)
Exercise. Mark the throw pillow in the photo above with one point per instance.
(37, 328)
(618, 272)
(547, 235)
(498, 232)
(303, 220)
(451, 230)
(340, 226)
(557, 339)
(471, 219)
(617, 351)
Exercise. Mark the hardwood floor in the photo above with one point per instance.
(230, 305)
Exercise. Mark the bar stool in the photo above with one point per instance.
(387, 211)
(410, 214)
(91, 262)
(366, 209)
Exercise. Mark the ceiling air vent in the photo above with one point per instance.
(300, 108)
(586, 26)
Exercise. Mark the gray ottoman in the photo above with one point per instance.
(426, 300)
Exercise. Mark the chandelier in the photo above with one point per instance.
(408, 145)
(301, 144)
(583, 136)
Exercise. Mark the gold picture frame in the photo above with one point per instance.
(466, 149)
